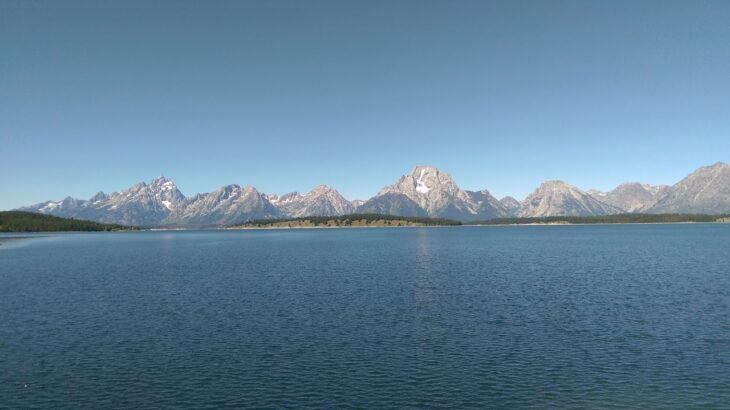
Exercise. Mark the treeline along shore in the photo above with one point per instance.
(19, 221)
(378, 220)
(347, 221)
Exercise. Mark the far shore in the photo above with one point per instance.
(243, 228)
(597, 223)
(29, 234)
(248, 228)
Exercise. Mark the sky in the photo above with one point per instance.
(286, 95)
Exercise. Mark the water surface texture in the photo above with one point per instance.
(551, 316)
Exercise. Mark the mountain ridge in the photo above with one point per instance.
(424, 192)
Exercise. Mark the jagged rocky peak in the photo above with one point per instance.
(290, 197)
(161, 181)
(67, 204)
(167, 190)
(656, 190)
(558, 198)
(226, 192)
(283, 199)
(160, 192)
(162, 184)
(98, 197)
(322, 190)
(430, 181)
(430, 188)
(141, 204)
(234, 192)
(328, 192)
(157, 185)
(226, 205)
(427, 178)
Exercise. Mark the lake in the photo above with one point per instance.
(468, 317)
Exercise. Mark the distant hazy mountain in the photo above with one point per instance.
(426, 191)
(705, 191)
(557, 198)
(632, 196)
(321, 201)
(511, 205)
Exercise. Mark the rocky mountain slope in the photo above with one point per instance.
(391, 203)
(557, 198)
(142, 204)
(321, 201)
(226, 205)
(705, 191)
(632, 196)
(511, 205)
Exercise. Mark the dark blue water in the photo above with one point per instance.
(561, 316)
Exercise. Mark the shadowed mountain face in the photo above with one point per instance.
(426, 191)
(392, 203)
(706, 191)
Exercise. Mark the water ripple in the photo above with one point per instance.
(514, 317)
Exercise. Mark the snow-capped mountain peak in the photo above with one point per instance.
(437, 194)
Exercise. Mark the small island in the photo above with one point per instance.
(19, 221)
(346, 221)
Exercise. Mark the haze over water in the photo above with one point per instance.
(560, 316)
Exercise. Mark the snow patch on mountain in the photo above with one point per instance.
(420, 185)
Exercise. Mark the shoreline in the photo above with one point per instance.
(336, 227)
(252, 228)
(599, 223)
(472, 225)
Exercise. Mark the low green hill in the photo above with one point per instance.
(18, 221)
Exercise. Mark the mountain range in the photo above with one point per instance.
(425, 191)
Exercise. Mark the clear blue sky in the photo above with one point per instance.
(97, 95)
